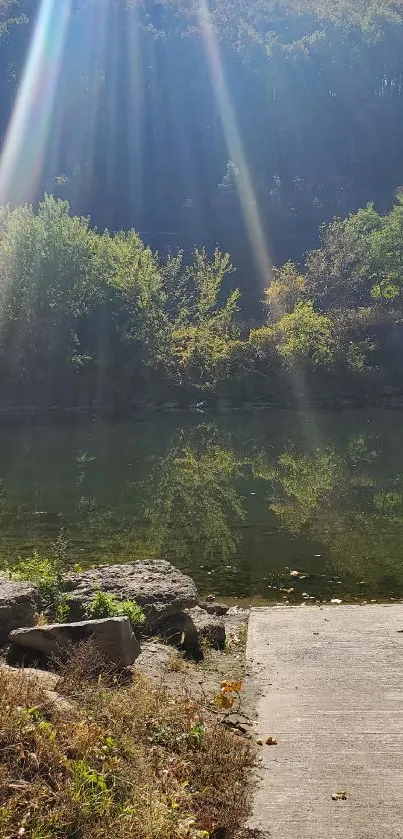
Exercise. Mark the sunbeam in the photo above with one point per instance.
(25, 145)
(235, 147)
(248, 199)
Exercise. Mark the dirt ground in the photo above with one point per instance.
(200, 679)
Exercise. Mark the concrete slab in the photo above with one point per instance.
(329, 686)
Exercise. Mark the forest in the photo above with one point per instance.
(200, 201)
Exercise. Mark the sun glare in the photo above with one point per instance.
(235, 147)
(28, 133)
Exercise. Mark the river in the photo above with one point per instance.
(242, 501)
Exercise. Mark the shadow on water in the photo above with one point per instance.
(239, 501)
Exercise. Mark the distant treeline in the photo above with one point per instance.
(94, 318)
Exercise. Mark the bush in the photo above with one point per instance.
(104, 605)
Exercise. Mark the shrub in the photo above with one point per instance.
(47, 574)
(104, 605)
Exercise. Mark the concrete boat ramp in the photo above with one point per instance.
(328, 683)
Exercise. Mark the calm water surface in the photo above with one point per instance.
(238, 501)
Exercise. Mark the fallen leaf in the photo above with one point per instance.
(271, 741)
(230, 687)
(225, 701)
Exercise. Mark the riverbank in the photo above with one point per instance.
(326, 396)
(96, 757)
(156, 749)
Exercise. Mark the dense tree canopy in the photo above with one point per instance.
(270, 131)
(188, 120)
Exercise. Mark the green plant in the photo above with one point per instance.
(90, 788)
(47, 574)
(104, 605)
(196, 734)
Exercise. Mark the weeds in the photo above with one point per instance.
(104, 605)
(47, 574)
(176, 663)
(132, 762)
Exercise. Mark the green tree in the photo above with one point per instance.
(286, 289)
(305, 336)
(46, 288)
(340, 273)
(195, 293)
(387, 255)
(203, 317)
(131, 272)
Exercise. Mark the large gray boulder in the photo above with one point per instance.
(114, 637)
(17, 606)
(159, 588)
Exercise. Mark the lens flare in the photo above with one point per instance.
(28, 133)
(235, 147)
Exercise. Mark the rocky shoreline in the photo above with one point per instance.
(173, 611)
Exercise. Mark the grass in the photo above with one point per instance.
(128, 761)
(176, 663)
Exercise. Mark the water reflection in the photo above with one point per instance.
(192, 498)
(238, 501)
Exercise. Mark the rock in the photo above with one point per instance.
(159, 588)
(43, 678)
(113, 636)
(214, 608)
(17, 606)
(208, 627)
(238, 722)
(58, 703)
(181, 631)
(210, 598)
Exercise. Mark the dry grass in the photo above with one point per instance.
(176, 663)
(126, 761)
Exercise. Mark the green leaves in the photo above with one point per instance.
(104, 605)
(306, 336)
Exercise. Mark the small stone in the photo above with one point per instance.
(339, 796)
(259, 742)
